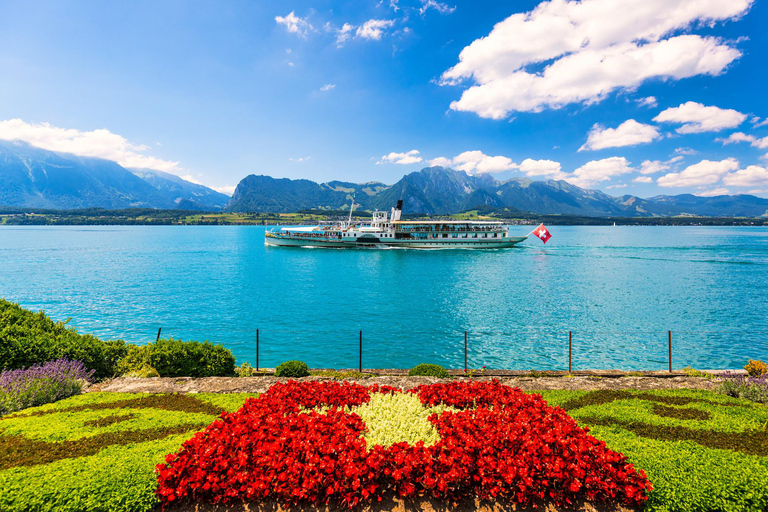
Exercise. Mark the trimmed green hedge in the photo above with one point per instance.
(177, 358)
(28, 338)
(429, 370)
(293, 369)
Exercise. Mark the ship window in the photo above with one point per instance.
(445, 235)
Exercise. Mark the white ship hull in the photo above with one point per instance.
(301, 241)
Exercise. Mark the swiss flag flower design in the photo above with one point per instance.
(498, 443)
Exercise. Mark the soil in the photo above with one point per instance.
(261, 384)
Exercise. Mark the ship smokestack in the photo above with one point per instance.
(397, 210)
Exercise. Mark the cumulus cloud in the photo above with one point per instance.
(411, 157)
(628, 133)
(588, 49)
(697, 118)
(294, 24)
(476, 162)
(327, 87)
(713, 193)
(441, 161)
(99, 143)
(643, 179)
(649, 102)
(438, 6)
(743, 137)
(373, 29)
(597, 171)
(757, 123)
(705, 172)
(546, 168)
(344, 33)
(686, 151)
(226, 189)
(300, 159)
(752, 176)
(652, 166)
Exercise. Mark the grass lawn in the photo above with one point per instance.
(97, 452)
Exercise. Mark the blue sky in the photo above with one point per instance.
(640, 97)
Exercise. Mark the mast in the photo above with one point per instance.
(352, 207)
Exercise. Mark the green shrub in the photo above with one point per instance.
(144, 372)
(28, 338)
(294, 369)
(756, 368)
(177, 358)
(245, 370)
(429, 370)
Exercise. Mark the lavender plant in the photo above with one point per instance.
(746, 387)
(41, 384)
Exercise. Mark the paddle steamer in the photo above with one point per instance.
(388, 230)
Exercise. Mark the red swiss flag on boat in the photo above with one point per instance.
(542, 233)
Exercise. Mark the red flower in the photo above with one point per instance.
(502, 444)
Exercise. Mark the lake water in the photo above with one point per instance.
(618, 289)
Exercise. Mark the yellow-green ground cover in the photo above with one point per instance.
(96, 452)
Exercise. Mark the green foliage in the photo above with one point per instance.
(292, 369)
(118, 477)
(429, 370)
(245, 370)
(143, 372)
(756, 368)
(177, 358)
(28, 338)
(693, 372)
(341, 374)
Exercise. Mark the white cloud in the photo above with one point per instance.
(438, 6)
(299, 160)
(758, 191)
(705, 172)
(652, 166)
(327, 87)
(713, 193)
(628, 133)
(752, 176)
(697, 118)
(476, 162)
(344, 33)
(623, 185)
(547, 168)
(675, 159)
(411, 157)
(686, 151)
(757, 123)
(743, 137)
(294, 24)
(373, 29)
(649, 102)
(643, 179)
(589, 49)
(597, 171)
(441, 161)
(99, 143)
(226, 189)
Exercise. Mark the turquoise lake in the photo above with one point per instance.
(618, 289)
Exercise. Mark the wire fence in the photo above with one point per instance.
(508, 349)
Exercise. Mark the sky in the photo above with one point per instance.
(641, 97)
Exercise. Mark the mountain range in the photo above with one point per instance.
(438, 190)
(31, 177)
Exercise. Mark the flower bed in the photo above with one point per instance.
(41, 384)
(347, 444)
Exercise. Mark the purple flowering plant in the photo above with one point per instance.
(41, 384)
(746, 387)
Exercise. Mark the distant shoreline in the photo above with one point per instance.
(151, 217)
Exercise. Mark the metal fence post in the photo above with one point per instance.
(670, 350)
(360, 361)
(158, 334)
(465, 351)
(570, 350)
(257, 350)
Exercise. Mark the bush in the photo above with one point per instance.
(429, 370)
(245, 370)
(38, 385)
(145, 372)
(177, 358)
(293, 369)
(756, 368)
(29, 339)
